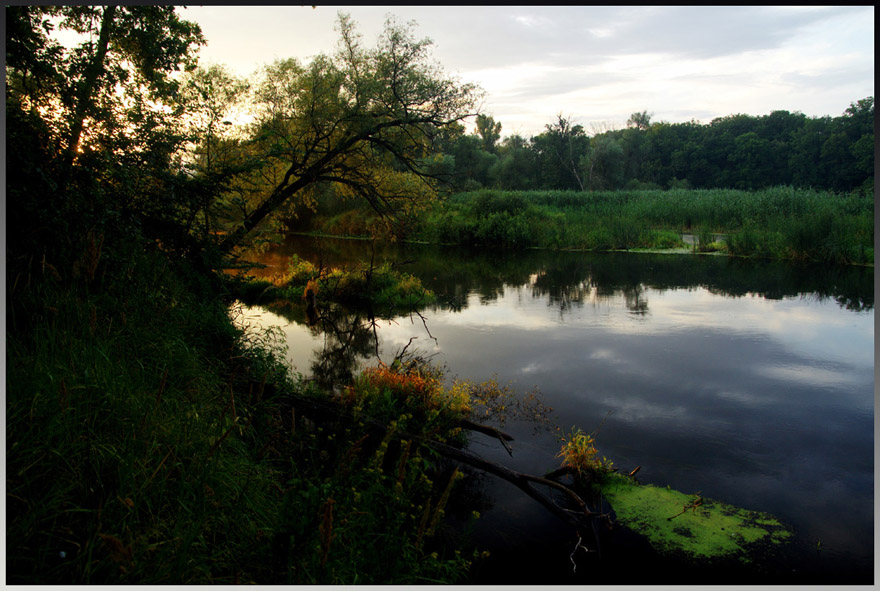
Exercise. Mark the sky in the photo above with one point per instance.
(595, 65)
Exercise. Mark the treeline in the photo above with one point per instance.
(737, 151)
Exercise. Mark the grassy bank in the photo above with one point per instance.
(151, 441)
(382, 288)
(779, 223)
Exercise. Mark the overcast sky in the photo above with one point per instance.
(594, 64)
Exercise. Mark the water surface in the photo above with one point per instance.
(750, 382)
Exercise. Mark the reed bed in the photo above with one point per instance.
(780, 222)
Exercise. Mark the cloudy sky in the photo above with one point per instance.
(594, 64)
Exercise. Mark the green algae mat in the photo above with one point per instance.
(698, 528)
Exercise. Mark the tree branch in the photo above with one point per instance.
(579, 519)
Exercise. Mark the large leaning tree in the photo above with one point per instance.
(362, 120)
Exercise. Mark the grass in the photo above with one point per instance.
(779, 223)
(149, 441)
(382, 288)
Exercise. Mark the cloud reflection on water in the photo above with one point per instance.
(764, 401)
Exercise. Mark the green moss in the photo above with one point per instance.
(709, 530)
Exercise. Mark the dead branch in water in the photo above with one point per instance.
(580, 519)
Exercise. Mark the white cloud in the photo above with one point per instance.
(595, 63)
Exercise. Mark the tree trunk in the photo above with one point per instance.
(281, 194)
(87, 88)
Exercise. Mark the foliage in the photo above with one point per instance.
(489, 131)
(86, 158)
(372, 518)
(361, 120)
(149, 440)
(579, 453)
(115, 414)
(781, 222)
(558, 151)
(413, 390)
(738, 152)
(382, 287)
(75, 89)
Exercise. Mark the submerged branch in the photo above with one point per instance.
(578, 519)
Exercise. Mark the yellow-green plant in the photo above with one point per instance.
(579, 453)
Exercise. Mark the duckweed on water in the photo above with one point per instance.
(707, 529)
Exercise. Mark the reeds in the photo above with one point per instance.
(780, 222)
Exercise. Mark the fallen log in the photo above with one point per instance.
(580, 519)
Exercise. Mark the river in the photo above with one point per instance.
(751, 382)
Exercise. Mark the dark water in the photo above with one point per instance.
(751, 382)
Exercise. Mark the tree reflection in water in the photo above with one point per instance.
(463, 277)
(349, 338)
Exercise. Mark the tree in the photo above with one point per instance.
(859, 118)
(105, 110)
(364, 120)
(559, 150)
(472, 163)
(858, 124)
(134, 47)
(515, 168)
(212, 96)
(603, 163)
(806, 150)
(752, 158)
(639, 120)
(489, 131)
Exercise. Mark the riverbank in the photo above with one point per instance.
(779, 223)
(690, 245)
(152, 441)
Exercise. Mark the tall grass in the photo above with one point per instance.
(149, 440)
(780, 222)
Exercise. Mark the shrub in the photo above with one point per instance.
(386, 392)
(706, 240)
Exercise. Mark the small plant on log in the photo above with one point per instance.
(580, 455)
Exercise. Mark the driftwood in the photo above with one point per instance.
(580, 519)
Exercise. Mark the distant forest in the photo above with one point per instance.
(737, 151)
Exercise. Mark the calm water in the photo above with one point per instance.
(752, 383)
